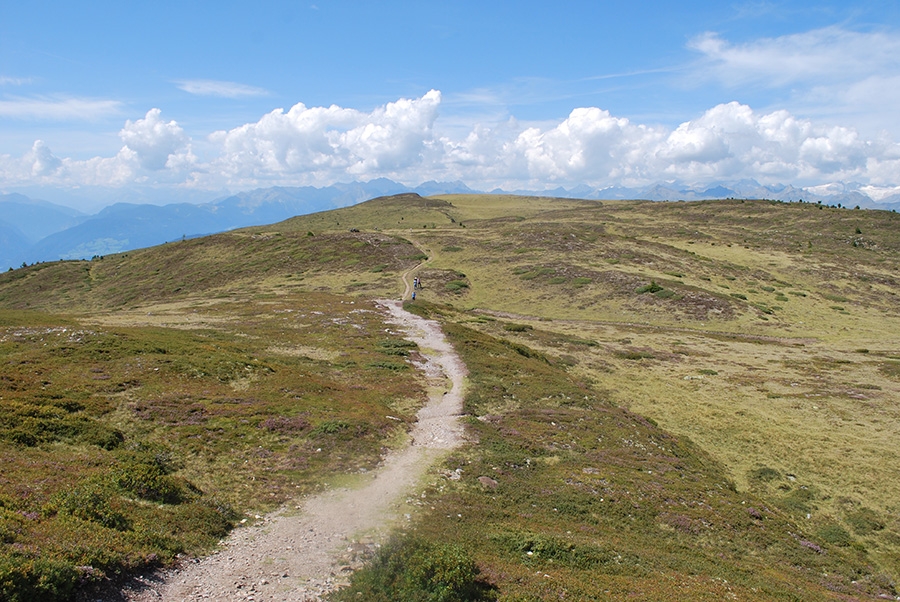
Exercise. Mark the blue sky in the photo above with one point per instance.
(189, 99)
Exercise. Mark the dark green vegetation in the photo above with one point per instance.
(666, 400)
(125, 446)
(421, 571)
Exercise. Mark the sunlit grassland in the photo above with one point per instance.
(683, 400)
(803, 409)
(752, 342)
(809, 428)
(400, 212)
(567, 496)
(125, 442)
(732, 260)
(234, 264)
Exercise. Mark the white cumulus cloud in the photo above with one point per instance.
(403, 140)
(732, 141)
(324, 142)
(155, 143)
(43, 161)
(41, 167)
(728, 142)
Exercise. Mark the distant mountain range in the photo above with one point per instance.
(847, 195)
(33, 230)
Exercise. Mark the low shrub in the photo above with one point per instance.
(146, 473)
(388, 366)
(837, 298)
(834, 534)
(653, 287)
(535, 273)
(764, 474)
(800, 501)
(412, 570)
(864, 521)
(331, 427)
(36, 580)
(456, 285)
(390, 345)
(89, 502)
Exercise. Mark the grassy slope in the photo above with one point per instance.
(773, 343)
(183, 386)
(589, 500)
(770, 340)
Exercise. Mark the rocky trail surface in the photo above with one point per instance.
(303, 553)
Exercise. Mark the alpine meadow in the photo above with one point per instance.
(664, 400)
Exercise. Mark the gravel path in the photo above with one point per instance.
(300, 554)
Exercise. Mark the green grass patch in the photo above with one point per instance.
(456, 285)
(653, 287)
(536, 273)
(837, 298)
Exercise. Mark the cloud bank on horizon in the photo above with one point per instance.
(804, 108)
(400, 140)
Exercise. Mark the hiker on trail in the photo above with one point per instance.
(416, 282)
(414, 296)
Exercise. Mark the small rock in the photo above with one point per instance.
(488, 482)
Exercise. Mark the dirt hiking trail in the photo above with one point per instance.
(303, 553)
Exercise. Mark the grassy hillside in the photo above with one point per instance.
(566, 496)
(126, 445)
(693, 400)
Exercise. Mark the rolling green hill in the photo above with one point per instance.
(686, 400)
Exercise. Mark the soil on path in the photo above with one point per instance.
(303, 553)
